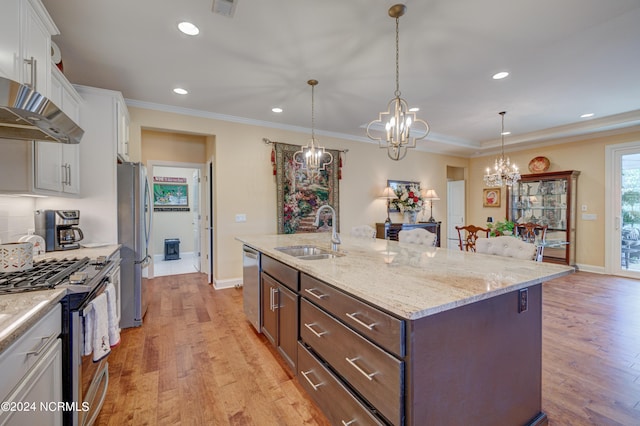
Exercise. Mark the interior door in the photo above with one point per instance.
(455, 211)
(196, 219)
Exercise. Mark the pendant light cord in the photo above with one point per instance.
(397, 93)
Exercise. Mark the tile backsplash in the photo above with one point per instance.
(16, 217)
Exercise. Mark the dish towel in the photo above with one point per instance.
(96, 328)
(112, 312)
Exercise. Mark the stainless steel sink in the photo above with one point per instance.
(309, 252)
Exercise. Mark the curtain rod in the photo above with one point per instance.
(268, 142)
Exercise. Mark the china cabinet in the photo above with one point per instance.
(548, 199)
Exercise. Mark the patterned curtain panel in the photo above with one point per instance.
(298, 198)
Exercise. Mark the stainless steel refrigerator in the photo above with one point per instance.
(134, 229)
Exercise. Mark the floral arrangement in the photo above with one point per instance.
(503, 227)
(409, 198)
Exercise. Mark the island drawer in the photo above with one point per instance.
(384, 329)
(338, 403)
(21, 355)
(371, 371)
(281, 272)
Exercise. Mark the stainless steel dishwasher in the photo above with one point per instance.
(251, 285)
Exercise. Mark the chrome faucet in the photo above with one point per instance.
(335, 238)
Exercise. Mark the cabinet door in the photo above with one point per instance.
(71, 165)
(288, 325)
(43, 384)
(269, 311)
(10, 39)
(122, 116)
(36, 51)
(49, 168)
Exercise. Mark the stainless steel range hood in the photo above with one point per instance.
(26, 114)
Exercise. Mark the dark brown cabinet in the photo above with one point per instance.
(280, 308)
(390, 230)
(548, 199)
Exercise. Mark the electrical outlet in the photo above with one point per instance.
(523, 300)
(583, 208)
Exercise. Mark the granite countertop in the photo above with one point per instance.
(408, 280)
(20, 311)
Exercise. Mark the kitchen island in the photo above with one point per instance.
(429, 335)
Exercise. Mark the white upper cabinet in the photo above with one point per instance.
(37, 29)
(122, 120)
(10, 67)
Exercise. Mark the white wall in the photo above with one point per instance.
(16, 217)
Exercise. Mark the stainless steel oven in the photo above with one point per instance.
(85, 381)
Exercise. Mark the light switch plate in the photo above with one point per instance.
(589, 216)
(241, 217)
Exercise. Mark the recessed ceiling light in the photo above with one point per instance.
(587, 115)
(500, 75)
(276, 109)
(414, 109)
(180, 91)
(188, 28)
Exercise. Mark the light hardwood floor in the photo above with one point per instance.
(197, 361)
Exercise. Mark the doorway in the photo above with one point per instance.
(456, 204)
(181, 222)
(622, 211)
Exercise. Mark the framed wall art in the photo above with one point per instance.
(491, 197)
(397, 186)
(170, 196)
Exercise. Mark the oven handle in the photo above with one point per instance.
(100, 288)
(98, 407)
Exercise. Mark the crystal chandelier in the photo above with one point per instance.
(312, 158)
(504, 172)
(398, 122)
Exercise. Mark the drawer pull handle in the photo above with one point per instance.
(360, 370)
(313, 385)
(349, 423)
(44, 341)
(367, 326)
(311, 291)
(310, 327)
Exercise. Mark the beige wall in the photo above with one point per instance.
(244, 183)
(587, 156)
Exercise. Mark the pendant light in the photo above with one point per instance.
(397, 125)
(312, 158)
(504, 172)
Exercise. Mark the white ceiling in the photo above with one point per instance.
(565, 57)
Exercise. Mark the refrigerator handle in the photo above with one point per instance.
(148, 215)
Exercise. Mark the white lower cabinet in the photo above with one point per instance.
(35, 400)
(31, 371)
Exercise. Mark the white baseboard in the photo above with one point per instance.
(591, 268)
(228, 283)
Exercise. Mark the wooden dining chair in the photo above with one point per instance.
(533, 233)
(530, 232)
(467, 236)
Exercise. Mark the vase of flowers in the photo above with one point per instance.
(409, 201)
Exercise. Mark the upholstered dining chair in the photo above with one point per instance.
(507, 246)
(533, 233)
(468, 235)
(417, 236)
(363, 231)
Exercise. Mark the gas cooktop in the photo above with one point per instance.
(44, 275)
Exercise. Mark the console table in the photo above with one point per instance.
(390, 230)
